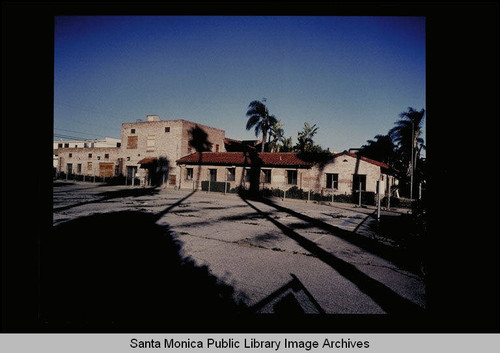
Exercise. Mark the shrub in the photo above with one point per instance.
(216, 186)
(295, 193)
(367, 198)
(394, 201)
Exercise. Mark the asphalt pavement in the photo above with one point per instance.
(278, 255)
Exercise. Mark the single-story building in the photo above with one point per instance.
(340, 173)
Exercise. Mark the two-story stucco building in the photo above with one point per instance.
(143, 144)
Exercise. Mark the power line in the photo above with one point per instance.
(78, 132)
(67, 137)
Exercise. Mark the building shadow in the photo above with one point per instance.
(122, 272)
(287, 301)
(109, 195)
(391, 302)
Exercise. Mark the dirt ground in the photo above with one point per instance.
(274, 255)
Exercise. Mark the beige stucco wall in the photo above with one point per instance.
(201, 173)
(345, 166)
(313, 178)
(81, 156)
(171, 145)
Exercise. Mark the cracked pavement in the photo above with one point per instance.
(257, 247)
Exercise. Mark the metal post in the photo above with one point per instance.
(378, 201)
(419, 191)
(225, 183)
(133, 177)
(359, 194)
(309, 195)
(284, 194)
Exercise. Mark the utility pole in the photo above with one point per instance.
(411, 172)
(265, 113)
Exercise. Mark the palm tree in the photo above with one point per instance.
(304, 137)
(287, 144)
(406, 134)
(260, 119)
(382, 149)
(276, 134)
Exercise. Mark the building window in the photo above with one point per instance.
(189, 173)
(247, 174)
(150, 143)
(167, 128)
(132, 131)
(66, 145)
(106, 156)
(132, 142)
(98, 158)
(291, 176)
(213, 174)
(59, 145)
(356, 179)
(118, 144)
(89, 166)
(266, 176)
(231, 174)
(79, 168)
(90, 155)
(76, 146)
(216, 148)
(70, 155)
(332, 181)
(85, 145)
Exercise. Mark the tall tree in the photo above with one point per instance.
(276, 134)
(260, 119)
(305, 138)
(381, 149)
(406, 135)
(286, 144)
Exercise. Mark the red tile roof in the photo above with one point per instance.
(242, 158)
(268, 159)
(353, 155)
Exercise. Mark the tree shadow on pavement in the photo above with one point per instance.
(399, 256)
(121, 271)
(109, 195)
(386, 298)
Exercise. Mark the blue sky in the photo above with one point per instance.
(351, 76)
